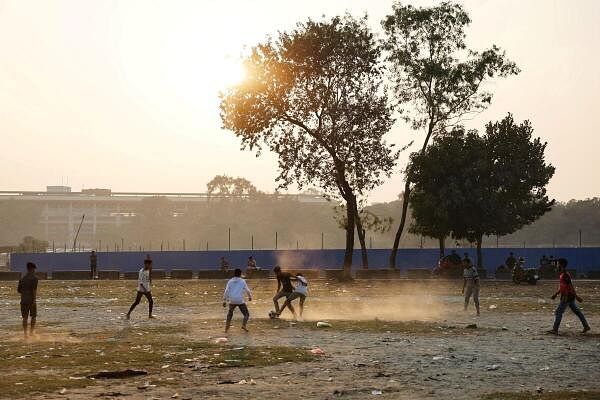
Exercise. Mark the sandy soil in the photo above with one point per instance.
(396, 340)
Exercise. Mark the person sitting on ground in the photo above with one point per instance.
(28, 289)
(224, 264)
(471, 283)
(251, 264)
(300, 291)
(454, 258)
(144, 289)
(234, 294)
(284, 286)
(511, 261)
(501, 268)
(544, 262)
(568, 298)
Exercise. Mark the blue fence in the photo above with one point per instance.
(583, 259)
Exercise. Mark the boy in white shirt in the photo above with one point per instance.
(143, 289)
(234, 294)
(300, 291)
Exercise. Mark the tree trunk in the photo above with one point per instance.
(349, 238)
(361, 237)
(392, 263)
(479, 253)
(442, 240)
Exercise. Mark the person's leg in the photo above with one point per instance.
(150, 304)
(33, 314)
(468, 292)
(278, 296)
(229, 316)
(302, 298)
(25, 315)
(577, 311)
(246, 314)
(560, 309)
(476, 297)
(138, 297)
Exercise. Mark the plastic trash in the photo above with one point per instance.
(317, 351)
(322, 324)
(221, 340)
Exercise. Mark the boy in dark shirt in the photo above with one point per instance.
(284, 286)
(28, 289)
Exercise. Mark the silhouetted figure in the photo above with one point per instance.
(93, 265)
(28, 290)
(511, 261)
(224, 264)
(470, 283)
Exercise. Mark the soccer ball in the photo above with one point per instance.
(273, 315)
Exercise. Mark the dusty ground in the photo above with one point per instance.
(396, 340)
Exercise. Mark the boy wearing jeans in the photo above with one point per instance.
(234, 294)
(568, 298)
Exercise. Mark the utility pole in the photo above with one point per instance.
(229, 239)
(322, 241)
(252, 243)
(275, 240)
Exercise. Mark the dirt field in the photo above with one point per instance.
(389, 340)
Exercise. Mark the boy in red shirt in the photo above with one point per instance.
(568, 297)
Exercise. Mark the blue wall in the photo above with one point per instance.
(582, 259)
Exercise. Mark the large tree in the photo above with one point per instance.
(508, 182)
(314, 96)
(475, 186)
(438, 80)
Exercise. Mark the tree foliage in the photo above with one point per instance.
(315, 96)
(224, 185)
(472, 186)
(438, 80)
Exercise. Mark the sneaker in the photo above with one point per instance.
(552, 332)
(586, 329)
(152, 316)
(245, 329)
(127, 317)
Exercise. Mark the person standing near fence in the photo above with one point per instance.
(471, 284)
(144, 289)
(568, 298)
(28, 290)
(93, 265)
(234, 293)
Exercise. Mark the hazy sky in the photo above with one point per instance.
(123, 94)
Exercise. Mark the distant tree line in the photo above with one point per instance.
(155, 223)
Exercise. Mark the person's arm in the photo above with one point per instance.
(20, 286)
(464, 284)
(226, 293)
(35, 285)
(278, 285)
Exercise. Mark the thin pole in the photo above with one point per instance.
(77, 234)
(371, 242)
(297, 245)
(206, 246)
(161, 246)
(122, 244)
(228, 239)
(497, 241)
(275, 240)
(252, 245)
(322, 241)
(580, 238)
(183, 244)
(53, 248)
